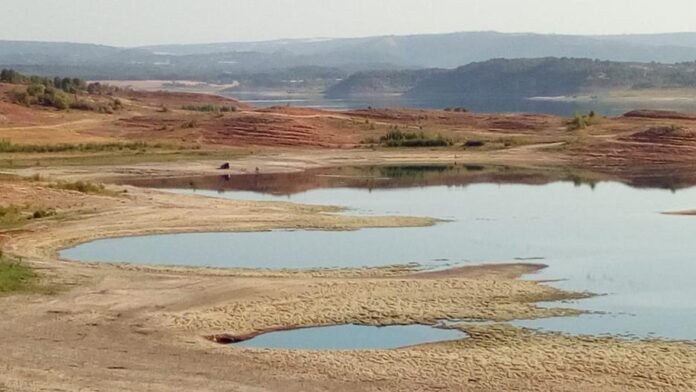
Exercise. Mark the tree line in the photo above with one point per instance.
(57, 92)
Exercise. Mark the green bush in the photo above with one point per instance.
(8, 147)
(59, 93)
(397, 138)
(210, 108)
(15, 276)
(581, 121)
(39, 214)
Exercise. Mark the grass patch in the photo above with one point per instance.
(124, 157)
(8, 147)
(208, 108)
(11, 216)
(15, 277)
(82, 187)
(14, 216)
(397, 138)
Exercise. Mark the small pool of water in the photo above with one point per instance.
(352, 337)
(606, 238)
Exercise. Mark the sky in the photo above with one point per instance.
(147, 22)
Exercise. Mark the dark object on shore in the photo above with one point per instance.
(230, 339)
(474, 143)
(223, 339)
(225, 166)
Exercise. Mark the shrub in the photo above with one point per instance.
(7, 211)
(581, 121)
(15, 276)
(474, 143)
(38, 214)
(210, 108)
(190, 124)
(457, 109)
(397, 138)
(8, 147)
(80, 186)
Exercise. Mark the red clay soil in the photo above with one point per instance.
(274, 131)
(292, 110)
(237, 129)
(660, 114)
(678, 136)
(16, 115)
(176, 100)
(652, 142)
(639, 136)
(517, 123)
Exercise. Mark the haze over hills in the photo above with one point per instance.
(414, 64)
(209, 61)
(664, 39)
(456, 49)
(550, 77)
(519, 78)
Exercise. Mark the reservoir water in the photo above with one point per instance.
(352, 337)
(606, 238)
(609, 107)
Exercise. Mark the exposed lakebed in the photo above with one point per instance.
(607, 238)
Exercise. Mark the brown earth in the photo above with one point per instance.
(125, 327)
(614, 141)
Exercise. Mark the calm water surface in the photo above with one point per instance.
(351, 337)
(483, 105)
(608, 239)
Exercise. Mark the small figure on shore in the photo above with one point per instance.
(224, 166)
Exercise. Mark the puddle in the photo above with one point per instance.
(352, 337)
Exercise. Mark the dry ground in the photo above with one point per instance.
(112, 327)
(115, 327)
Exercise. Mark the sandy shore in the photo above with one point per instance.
(279, 161)
(113, 327)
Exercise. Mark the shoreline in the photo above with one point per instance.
(146, 320)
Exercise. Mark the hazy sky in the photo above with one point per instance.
(140, 22)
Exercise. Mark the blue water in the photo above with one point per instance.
(475, 104)
(609, 239)
(352, 337)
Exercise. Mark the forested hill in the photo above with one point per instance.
(524, 78)
(380, 82)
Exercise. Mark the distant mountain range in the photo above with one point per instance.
(514, 78)
(456, 49)
(321, 63)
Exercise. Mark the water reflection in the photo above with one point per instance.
(601, 237)
(410, 176)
